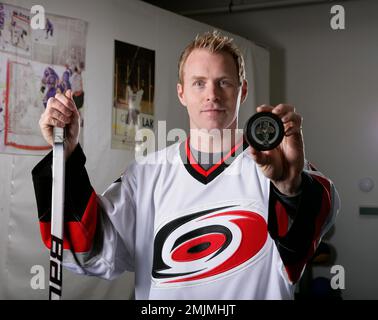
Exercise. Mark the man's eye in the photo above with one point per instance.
(225, 83)
(199, 83)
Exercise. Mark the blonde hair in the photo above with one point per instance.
(214, 42)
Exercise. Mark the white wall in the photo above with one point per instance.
(133, 22)
(331, 77)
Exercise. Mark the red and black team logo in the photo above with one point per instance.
(207, 245)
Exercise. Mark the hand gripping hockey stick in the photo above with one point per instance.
(57, 216)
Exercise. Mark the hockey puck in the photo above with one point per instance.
(264, 131)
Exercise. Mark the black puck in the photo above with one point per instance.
(264, 131)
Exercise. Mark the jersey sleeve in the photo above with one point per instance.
(297, 230)
(92, 244)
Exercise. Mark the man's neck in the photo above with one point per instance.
(214, 141)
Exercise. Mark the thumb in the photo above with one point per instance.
(68, 94)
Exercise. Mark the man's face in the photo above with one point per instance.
(211, 90)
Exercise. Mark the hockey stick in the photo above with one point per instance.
(57, 216)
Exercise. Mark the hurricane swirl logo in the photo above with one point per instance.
(207, 245)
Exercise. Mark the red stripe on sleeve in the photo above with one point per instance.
(282, 219)
(78, 235)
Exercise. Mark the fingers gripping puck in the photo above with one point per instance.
(264, 131)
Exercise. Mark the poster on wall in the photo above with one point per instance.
(133, 99)
(35, 64)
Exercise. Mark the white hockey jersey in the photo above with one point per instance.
(190, 233)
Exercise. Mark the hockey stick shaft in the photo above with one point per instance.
(57, 216)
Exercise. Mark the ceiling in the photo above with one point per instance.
(198, 7)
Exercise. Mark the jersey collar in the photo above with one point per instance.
(206, 176)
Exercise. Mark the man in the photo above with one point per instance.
(50, 80)
(240, 226)
(134, 100)
(49, 28)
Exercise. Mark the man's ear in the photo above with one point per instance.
(180, 94)
(244, 89)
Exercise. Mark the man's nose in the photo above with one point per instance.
(212, 92)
